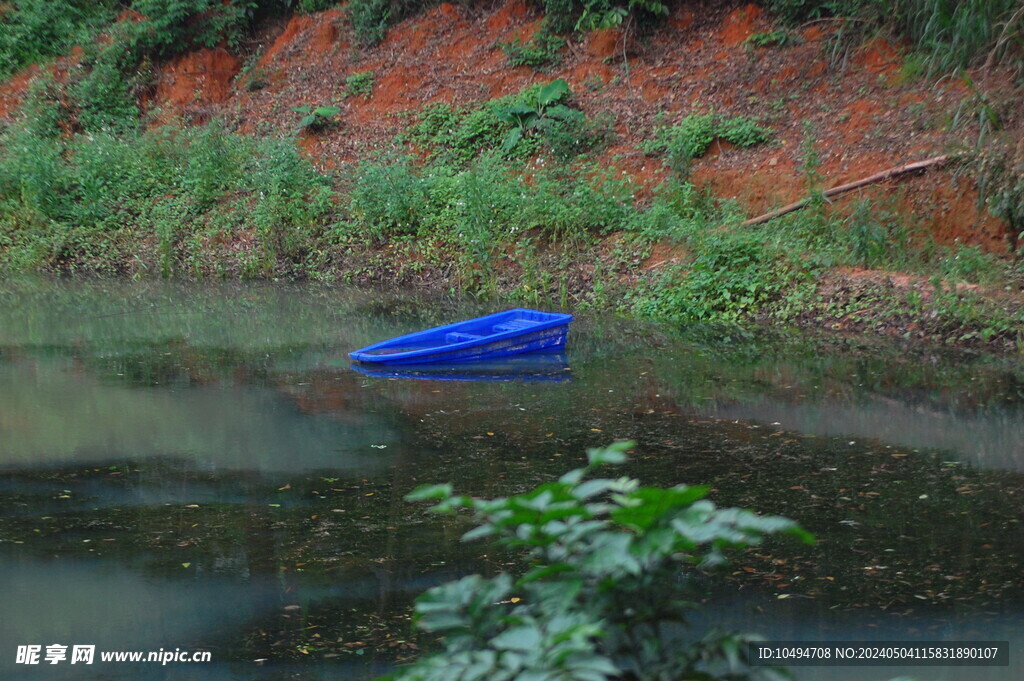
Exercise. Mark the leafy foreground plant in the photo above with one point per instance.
(612, 578)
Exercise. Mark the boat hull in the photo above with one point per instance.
(502, 334)
(542, 366)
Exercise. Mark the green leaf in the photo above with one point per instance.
(430, 492)
(646, 506)
(479, 532)
(614, 453)
(592, 488)
(573, 477)
(552, 92)
(525, 638)
(512, 139)
(545, 571)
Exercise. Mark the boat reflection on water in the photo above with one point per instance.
(532, 366)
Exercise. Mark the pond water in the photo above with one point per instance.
(199, 468)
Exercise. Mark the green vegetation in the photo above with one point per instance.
(34, 30)
(542, 50)
(951, 35)
(102, 93)
(165, 198)
(359, 85)
(311, 6)
(204, 202)
(778, 38)
(523, 125)
(610, 564)
(691, 137)
(587, 15)
(370, 20)
(318, 118)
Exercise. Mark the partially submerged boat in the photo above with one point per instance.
(502, 334)
(546, 366)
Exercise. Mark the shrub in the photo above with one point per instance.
(369, 20)
(610, 564)
(457, 135)
(970, 264)
(311, 6)
(691, 137)
(999, 164)
(778, 38)
(517, 126)
(587, 15)
(33, 30)
(734, 277)
(389, 198)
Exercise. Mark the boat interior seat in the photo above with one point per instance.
(458, 337)
(514, 325)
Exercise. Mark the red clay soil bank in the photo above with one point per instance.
(195, 78)
(740, 24)
(12, 92)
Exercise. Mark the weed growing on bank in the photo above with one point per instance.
(165, 199)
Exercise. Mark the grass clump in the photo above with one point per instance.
(359, 84)
(680, 144)
(950, 35)
(159, 200)
(780, 37)
(542, 50)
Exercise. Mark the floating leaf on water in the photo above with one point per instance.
(185, 565)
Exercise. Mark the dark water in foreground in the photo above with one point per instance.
(199, 468)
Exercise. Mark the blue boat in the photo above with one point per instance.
(497, 335)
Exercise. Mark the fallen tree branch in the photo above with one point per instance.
(843, 188)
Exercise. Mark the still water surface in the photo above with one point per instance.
(199, 467)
